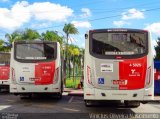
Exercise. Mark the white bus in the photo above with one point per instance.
(118, 66)
(4, 71)
(36, 67)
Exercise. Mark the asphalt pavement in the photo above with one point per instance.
(71, 106)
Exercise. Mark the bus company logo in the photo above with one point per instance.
(21, 78)
(133, 70)
(100, 80)
(134, 73)
(44, 72)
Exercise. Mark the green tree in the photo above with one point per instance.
(74, 53)
(81, 60)
(27, 34)
(3, 47)
(15, 36)
(68, 30)
(157, 49)
(30, 34)
(52, 36)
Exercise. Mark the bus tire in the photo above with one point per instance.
(132, 103)
(30, 96)
(59, 95)
(62, 87)
(88, 103)
(25, 96)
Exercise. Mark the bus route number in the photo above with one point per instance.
(135, 65)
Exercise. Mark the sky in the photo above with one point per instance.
(51, 15)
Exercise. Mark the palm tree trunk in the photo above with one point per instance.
(67, 47)
(65, 62)
(68, 60)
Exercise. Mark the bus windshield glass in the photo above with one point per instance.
(4, 59)
(35, 51)
(119, 43)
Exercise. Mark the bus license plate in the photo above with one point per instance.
(119, 82)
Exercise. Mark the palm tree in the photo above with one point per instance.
(2, 46)
(69, 29)
(27, 34)
(52, 36)
(30, 34)
(15, 36)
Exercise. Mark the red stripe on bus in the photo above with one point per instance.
(44, 73)
(4, 72)
(133, 72)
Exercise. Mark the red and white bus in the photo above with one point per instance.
(118, 66)
(36, 67)
(4, 71)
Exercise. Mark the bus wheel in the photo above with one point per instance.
(25, 96)
(59, 95)
(132, 103)
(88, 103)
(29, 96)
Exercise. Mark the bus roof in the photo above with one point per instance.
(34, 41)
(119, 29)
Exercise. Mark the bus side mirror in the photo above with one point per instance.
(86, 36)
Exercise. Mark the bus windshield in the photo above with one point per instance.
(118, 43)
(4, 59)
(35, 51)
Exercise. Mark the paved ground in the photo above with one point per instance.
(67, 107)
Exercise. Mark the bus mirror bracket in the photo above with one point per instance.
(86, 36)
